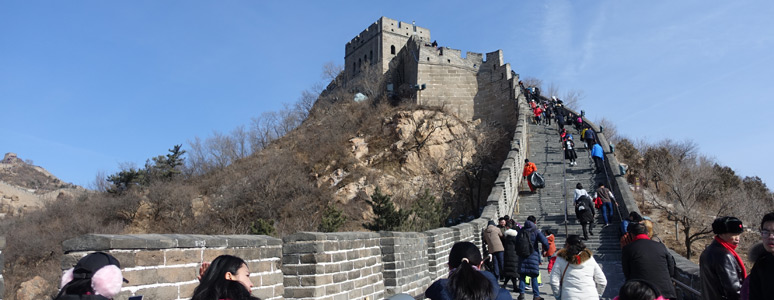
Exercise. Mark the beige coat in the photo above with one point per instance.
(492, 236)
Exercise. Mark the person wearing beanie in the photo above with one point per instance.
(96, 276)
(721, 269)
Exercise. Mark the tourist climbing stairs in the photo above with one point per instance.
(549, 204)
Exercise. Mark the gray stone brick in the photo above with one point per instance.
(88, 242)
(302, 248)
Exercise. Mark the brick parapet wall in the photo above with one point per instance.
(344, 265)
(165, 266)
(306, 265)
(406, 263)
(439, 243)
(2, 263)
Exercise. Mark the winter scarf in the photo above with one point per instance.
(732, 248)
(641, 237)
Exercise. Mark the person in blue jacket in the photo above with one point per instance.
(590, 136)
(466, 279)
(598, 155)
(530, 265)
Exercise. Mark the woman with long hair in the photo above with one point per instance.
(576, 275)
(227, 277)
(466, 279)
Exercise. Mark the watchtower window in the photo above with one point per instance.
(371, 55)
(392, 49)
(365, 58)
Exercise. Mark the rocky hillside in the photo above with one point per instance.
(25, 187)
(342, 153)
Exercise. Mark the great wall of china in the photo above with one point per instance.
(356, 265)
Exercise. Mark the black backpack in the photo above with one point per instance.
(523, 244)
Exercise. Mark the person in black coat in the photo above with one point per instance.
(648, 260)
(758, 283)
(584, 212)
(530, 265)
(511, 266)
(721, 270)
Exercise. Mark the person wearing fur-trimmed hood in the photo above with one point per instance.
(576, 275)
(758, 284)
(511, 265)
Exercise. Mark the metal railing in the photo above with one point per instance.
(686, 287)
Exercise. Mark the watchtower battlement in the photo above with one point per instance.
(429, 54)
(378, 44)
(385, 26)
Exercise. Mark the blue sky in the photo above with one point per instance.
(88, 85)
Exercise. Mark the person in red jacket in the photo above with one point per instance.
(551, 249)
(529, 168)
(538, 112)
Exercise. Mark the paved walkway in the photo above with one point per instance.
(548, 204)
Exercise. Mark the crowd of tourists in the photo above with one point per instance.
(647, 265)
(513, 253)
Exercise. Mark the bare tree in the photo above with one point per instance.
(692, 195)
(609, 129)
(370, 82)
(331, 71)
(307, 100)
(752, 200)
(241, 142)
(572, 99)
(532, 81)
(100, 183)
(552, 91)
(261, 132)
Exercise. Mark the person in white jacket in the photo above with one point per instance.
(576, 275)
(579, 191)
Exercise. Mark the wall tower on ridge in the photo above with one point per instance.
(474, 86)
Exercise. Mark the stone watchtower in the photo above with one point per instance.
(379, 44)
(473, 86)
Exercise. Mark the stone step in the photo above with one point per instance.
(549, 203)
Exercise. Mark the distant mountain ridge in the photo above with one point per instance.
(25, 187)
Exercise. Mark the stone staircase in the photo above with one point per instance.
(548, 204)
